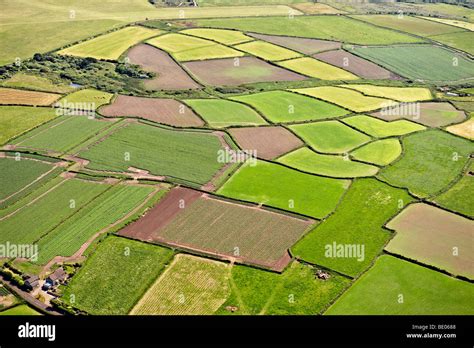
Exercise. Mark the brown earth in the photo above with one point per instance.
(221, 229)
(269, 142)
(224, 72)
(299, 44)
(169, 74)
(166, 111)
(432, 114)
(10, 96)
(356, 65)
(161, 214)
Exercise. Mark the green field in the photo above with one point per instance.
(462, 41)
(227, 37)
(20, 310)
(36, 83)
(431, 161)
(190, 156)
(15, 120)
(282, 106)
(267, 51)
(357, 222)
(330, 136)
(17, 175)
(186, 48)
(346, 98)
(315, 68)
(459, 197)
(68, 132)
(297, 291)
(412, 25)
(410, 61)
(424, 292)
(189, 286)
(382, 129)
(380, 152)
(106, 209)
(219, 113)
(319, 27)
(402, 94)
(116, 276)
(328, 165)
(112, 45)
(39, 218)
(280, 187)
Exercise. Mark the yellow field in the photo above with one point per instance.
(350, 99)
(21, 97)
(465, 129)
(314, 68)
(453, 22)
(187, 48)
(190, 286)
(110, 46)
(227, 37)
(267, 50)
(403, 94)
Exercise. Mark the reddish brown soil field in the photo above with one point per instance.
(269, 142)
(222, 229)
(167, 111)
(169, 74)
(356, 65)
(299, 44)
(227, 72)
(430, 114)
(161, 214)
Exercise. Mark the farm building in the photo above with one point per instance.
(31, 282)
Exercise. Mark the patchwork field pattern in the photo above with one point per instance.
(380, 152)
(298, 44)
(267, 50)
(227, 37)
(381, 129)
(435, 237)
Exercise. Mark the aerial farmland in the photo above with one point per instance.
(169, 158)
